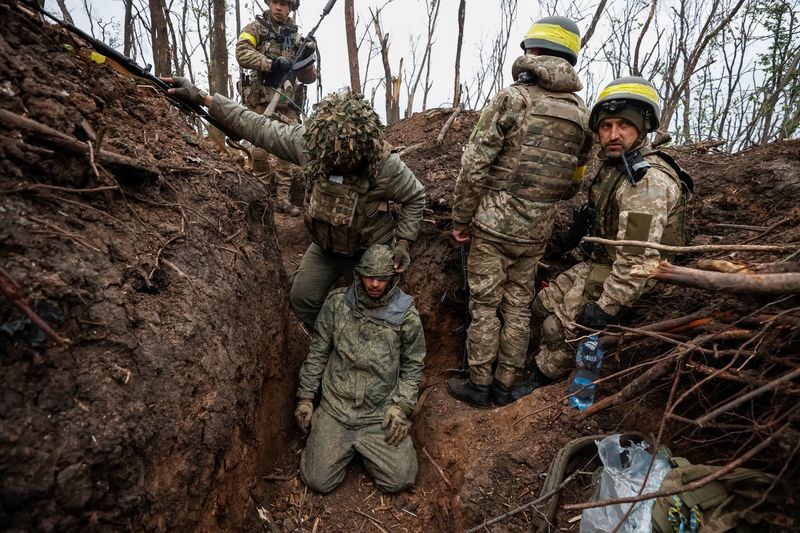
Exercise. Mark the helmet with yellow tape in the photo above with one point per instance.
(629, 97)
(557, 35)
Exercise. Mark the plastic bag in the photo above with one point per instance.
(624, 468)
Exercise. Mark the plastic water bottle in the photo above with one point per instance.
(589, 358)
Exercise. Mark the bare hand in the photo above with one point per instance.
(461, 236)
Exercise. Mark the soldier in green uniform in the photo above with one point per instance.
(527, 152)
(367, 351)
(267, 47)
(352, 177)
(638, 194)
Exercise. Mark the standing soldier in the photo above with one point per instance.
(527, 152)
(354, 180)
(367, 352)
(638, 194)
(268, 46)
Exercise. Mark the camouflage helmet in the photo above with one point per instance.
(377, 262)
(632, 96)
(555, 34)
(343, 129)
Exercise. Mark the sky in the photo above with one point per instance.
(401, 19)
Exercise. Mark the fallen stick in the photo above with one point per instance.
(436, 465)
(702, 482)
(13, 293)
(521, 508)
(787, 283)
(752, 394)
(456, 111)
(61, 140)
(693, 249)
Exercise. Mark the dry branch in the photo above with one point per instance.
(737, 283)
(693, 249)
(456, 111)
(12, 291)
(63, 141)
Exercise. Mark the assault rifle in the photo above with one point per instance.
(460, 299)
(133, 68)
(273, 104)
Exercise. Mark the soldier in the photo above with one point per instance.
(352, 175)
(367, 351)
(527, 152)
(268, 46)
(638, 194)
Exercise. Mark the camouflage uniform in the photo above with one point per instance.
(323, 262)
(368, 355)
(527, 151)
(258, 45)
(653, 210)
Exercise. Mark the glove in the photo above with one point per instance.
(593, 316)
(305, 408)
(311, 47)
(280, 65)
(183, 90)
(402, 258)
(395, 424)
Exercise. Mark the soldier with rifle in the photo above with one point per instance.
(273, 51)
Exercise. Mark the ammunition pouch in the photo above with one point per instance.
(335, 214)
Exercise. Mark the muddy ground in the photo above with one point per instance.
(171, 406)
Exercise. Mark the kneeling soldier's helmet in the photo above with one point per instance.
(629, 97)
(558, 35)
(377, 262)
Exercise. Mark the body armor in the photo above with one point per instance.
(541, 162)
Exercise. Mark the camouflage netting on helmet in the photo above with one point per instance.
(343, 129)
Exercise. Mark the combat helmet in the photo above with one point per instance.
(632, 96)
(555, 34)
(343, 129)
(377, 262)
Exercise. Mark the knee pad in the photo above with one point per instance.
(552, 330)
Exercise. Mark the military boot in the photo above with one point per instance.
(504, 395)
(465, 390)
(290, 209)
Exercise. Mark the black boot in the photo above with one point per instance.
(502, 395)
(465, 390)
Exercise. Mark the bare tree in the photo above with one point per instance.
(352, 46)
(218, 68)
(462, 7)
(392, 107)
(64, 11)
(432, 13)
(127, 28)
(159, 38)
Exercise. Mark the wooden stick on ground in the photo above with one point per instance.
(436, 465)
(12, 291)
(693, 249)
(456, 111)
(741, 283)
(48, 135)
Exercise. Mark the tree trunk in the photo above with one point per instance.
(218, 79)
(159, 38)
(462, 6)
(127, 30)
(352, 47)
(735, 283)
(65, 13)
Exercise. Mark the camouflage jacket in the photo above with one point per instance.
(395, 182)
(366, 359)
(653, 210)
(510, 122)
(257, 46)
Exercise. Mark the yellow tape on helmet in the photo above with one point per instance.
(638, 89)
(555, 34)
(247, 37)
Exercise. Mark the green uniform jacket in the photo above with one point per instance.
(395, 182)
(366, 359)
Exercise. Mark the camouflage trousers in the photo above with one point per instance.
(332, 445)
(501, 280)
(265, 164)
(318, 272)
(556, 306)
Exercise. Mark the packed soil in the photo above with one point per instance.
(170, 405)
